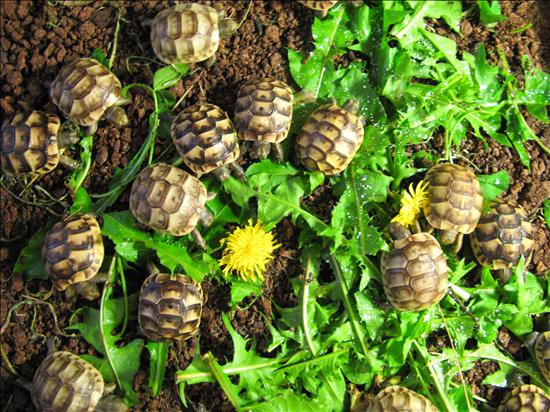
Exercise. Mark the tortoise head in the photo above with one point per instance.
(398, 231)
(448, 236)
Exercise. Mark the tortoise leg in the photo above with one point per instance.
(458, 243)
(417, 228)
(209, 62)
(504, 275)
(221, 173)
(90, 130)
(199, 239)
(117, 116)
(110, 402)
(68, 162)
(460, 303)
(429, 229)
(88, 290)
(260, 150)
(206, 217)
(237, 170)
(277, 152)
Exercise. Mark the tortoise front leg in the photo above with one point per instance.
(199, 239)
(277, 152)
(504, 275)
(458, 243)
(221, 173)
(237, 170)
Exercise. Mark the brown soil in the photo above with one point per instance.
(38, 37)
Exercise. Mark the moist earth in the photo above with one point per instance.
(38, 37)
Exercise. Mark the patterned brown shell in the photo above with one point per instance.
(66, 383)
(29, 143)
(167, 199)
(502, 236)
(205, 138)
(414, 272)
(73, 250)
(542, 354)
(525, 398)
(170, 307)
(264, 110)
(318, 4)
(84, 90)
(329, 139)
(400, 399)
(185, 33)
(455, 200)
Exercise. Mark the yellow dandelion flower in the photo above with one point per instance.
(247, 251)
(412, 204)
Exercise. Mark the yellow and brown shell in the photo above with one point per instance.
(29, 143)
(414, 272)
(502, 236)
(73, 251)
(329, 139)
(455, 200)
(205, 138)
(321, 5)
(264, 110)
(170, 307)
(525, 398)
(400, 399)
(84, 89)
(542, 354)
(185, 33)
(65, 382)
(167, 199)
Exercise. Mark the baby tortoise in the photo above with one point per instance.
(86, 91)
(454, 202)
(539, 344)
(399, 399)
(330, 138)
(206, 140)
(73, 253)
(170, 200)
(33, 142)
(170, 306)
(189, 33)
(414, 272)
(525, 398)
(502, 236)
(263, 113)
(65, 382)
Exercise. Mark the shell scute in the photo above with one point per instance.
(525, 398)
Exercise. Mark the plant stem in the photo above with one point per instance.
(115, 42)
(308, 277)
(222, 380)
(156, 377)
(347, 303)
(125, 294)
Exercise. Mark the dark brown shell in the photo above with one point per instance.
(502, 236)
(455, 200)
(329, 139)
(66, 383)
(170, 307)
(84, 89)
(400, 399)
(264, 110)
(205, 138)
(73, 250)
(542, 354)
(414, 272)
(525, 398)
(167, 199)
(29, 143)
(185, 33)
(318, 4)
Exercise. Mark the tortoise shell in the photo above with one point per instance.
(329, 139)
(84, 89)
(185, 33)
(264, 110)
(66, 383)
(400, 399)
(414, 272)
(455, 200)
(205, 138)
(167, 199)
(542, 354)
(29, 143)
(525, 398)
(318, 4)
(502, 236)
(73, 250)
(170, 307)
